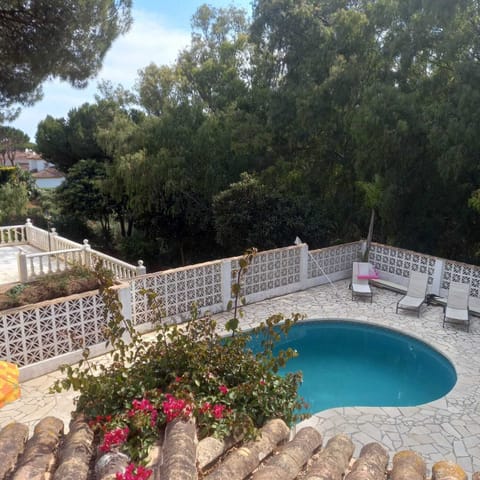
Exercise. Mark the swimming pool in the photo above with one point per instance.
(348, 363)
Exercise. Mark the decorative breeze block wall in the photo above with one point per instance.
(333, 260)
(47, 330)
(177, 290)
(397, 263)
(269, 270)
(462, 273)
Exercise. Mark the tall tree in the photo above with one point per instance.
(11, 140)
(14, 194)
(42, 39)
(65, 141)
(81, 195)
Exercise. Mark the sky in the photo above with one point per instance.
(161, 28)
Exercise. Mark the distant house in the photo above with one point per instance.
(45, 175)
(30, 161)
(49, 177)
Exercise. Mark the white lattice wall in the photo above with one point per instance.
(271, 273)
(464, 273)
(399, 262)
(335, 261)
(395, 264)
(54, 331)
(177, 290)
(50, 329)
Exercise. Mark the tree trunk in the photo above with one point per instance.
(129, 227)
(182, 254)
(243, 461)
(408, 465)
(370, 234)
(179, 451)
(39, 456)
(12, 442)
(76, 452)
(444, 470)
(286, 465)
(11, 156)
(333, 460)
(121, 221)
(371, 464)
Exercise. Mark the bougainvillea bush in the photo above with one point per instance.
(186, 370)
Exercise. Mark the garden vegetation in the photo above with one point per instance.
(183, 371)
(297, 120)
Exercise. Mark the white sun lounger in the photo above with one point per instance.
(456, 309)
(416, 292)
(360, 286)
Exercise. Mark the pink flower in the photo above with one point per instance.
(134, 472)
(218, 410)
(144, 406)
(223, 389)
(174, 407)
(205, 407)
(262, 382)
(114, 438)
(178, 379)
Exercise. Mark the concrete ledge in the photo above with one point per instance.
(396, 287)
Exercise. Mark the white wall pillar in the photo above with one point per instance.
(437, 276)
(226, 279)
(304, 266)
(22, 266)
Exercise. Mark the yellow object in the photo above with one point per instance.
(9, 387)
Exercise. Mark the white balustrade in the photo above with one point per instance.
(32, 266)
(53, 243)
(14, 235)
(121, 270)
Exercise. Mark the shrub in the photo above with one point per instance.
(77, 279)
(186, 370)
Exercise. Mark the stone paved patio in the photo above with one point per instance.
(8, 262)
(448, 428)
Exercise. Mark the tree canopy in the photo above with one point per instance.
(42, 39)
(11, 140)
(299, 121)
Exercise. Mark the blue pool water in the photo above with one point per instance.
(355, 364)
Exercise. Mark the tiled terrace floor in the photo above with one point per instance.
(8, 262)
(448, 428)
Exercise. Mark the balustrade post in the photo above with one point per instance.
(28, 226)
(86, 254)
(22, 266)
(52, 239)
(140, 269)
